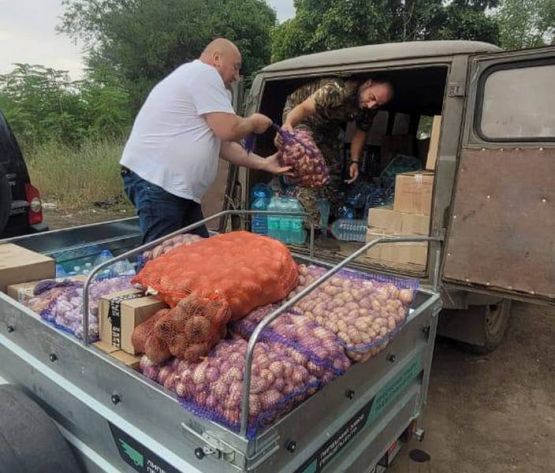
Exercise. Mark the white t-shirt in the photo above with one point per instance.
(171, 144)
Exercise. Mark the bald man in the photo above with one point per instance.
(185, 125)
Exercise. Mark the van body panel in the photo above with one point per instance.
(380, 52)
(501, 236)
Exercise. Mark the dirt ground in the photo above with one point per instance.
(494, 413)
(485, 414)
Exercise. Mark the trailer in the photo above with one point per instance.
(116, 420)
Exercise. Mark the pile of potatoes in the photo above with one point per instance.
(362, 312)
(213, 387)
(310, 344)
(170, 244)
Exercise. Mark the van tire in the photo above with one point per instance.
(479, 329)
(493, 322)
(5, 200)
(30, 442)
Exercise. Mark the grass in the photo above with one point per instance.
(75, 178)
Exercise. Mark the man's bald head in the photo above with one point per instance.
(225, 57)
(220, 45)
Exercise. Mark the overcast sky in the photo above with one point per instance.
(27, 34)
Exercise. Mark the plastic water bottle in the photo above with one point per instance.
(284, 220)
(349, 230)
(75, 271)
(87, 269)
(260, 198)
(105, 255)
(298, 233)
(273, 220)
(260, 222)
(324, 209)
(60, 271)
(123, 268)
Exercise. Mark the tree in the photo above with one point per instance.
(331, 24)
(526, 23)
(40, 103)
(144, 40)
(43, 104)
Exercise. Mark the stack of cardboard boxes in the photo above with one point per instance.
(410, 214)
(119, 313)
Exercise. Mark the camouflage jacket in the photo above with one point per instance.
(336, 104)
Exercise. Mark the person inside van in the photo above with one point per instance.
(322, 107)
(187, 122)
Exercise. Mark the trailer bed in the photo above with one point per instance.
(118, 420)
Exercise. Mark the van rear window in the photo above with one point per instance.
(518, 103)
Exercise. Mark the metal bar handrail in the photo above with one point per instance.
(273, 315)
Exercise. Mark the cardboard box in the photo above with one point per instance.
(415, 224)
(105, 347)
(376, 251)
(433, 149)
(22, 292)
(121, 312)
(405, 253)
(18, 264)
(399, 253)
(400, 223)
(413, 192)
(385, 218)
(129, 360)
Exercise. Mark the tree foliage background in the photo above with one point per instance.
(132, 44)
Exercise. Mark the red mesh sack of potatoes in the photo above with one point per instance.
(245, 269)
(188, 331)
(298, 150)
(142, 332)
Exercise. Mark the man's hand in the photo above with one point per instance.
(259, 123)
(353, 172)
(287, 127)
(271, 164)
(278, 141)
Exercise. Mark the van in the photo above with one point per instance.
(492, 192)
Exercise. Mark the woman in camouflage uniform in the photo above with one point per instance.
(322, 107)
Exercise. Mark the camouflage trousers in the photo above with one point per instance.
(334, 191)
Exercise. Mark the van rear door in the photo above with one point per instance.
(501, 235)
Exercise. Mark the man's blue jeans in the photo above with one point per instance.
(160, 212)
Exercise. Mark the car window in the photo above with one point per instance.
(518, 103)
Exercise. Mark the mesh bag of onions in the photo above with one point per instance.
(61, 302)
(298, 150)
(307, 342)
(245, 269)
(213, 388)
(170, 244)
(187, 332)
(364, 311)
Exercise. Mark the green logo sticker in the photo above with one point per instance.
(133, 454)
(370, 412)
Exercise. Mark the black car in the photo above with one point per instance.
(20, 203)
